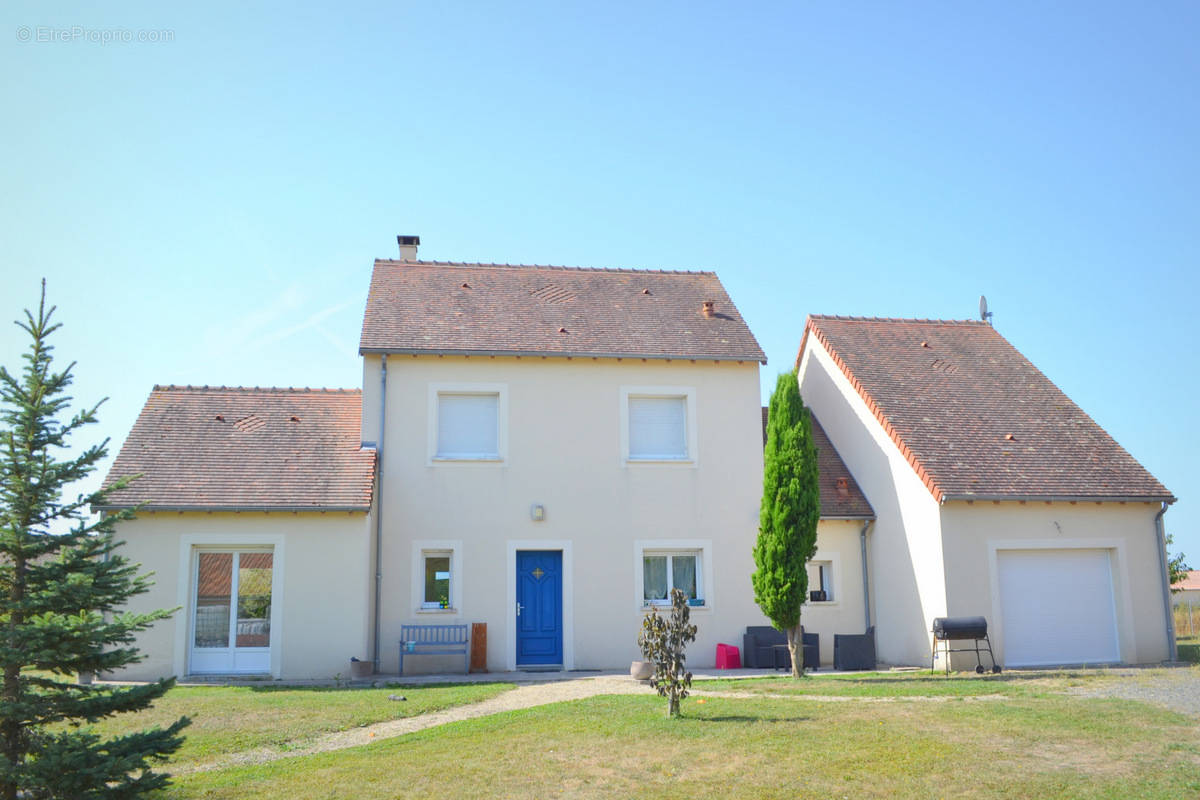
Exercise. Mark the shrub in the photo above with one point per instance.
(663, 642)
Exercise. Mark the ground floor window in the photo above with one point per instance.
(437, 579)
(437, 571)
(662, 572)
(820, 582)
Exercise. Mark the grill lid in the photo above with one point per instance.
(960, 628)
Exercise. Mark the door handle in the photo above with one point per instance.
(519, 607)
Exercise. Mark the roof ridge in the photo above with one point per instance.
(171, 387)
(851, 318)
(493, 265)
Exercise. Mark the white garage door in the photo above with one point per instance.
(1057, 607)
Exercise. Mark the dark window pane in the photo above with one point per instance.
(254, 599)
(683, 575)
(213, 588)
(654, 578)
(437, 580)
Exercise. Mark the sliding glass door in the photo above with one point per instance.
(231, 612)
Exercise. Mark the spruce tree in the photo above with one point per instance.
(788, 516)
(62, 587)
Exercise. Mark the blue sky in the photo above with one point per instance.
(206, 207)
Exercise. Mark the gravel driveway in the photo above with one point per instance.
(1176, 688)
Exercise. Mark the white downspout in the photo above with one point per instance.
(1166, 580)
(862, 543)
(379, 509)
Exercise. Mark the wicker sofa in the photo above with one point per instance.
(763, 647)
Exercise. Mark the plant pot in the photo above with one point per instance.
(361, 669)
(641, 670)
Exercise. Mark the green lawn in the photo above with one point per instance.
(1042, 746)
(905, 684)
(232, 719)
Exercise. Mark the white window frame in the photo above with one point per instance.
(499, 390)
(701, 548)
(688, 394)
(189, 545)
(834, 571)
(421, 549)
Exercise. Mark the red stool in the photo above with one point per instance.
(728, 657)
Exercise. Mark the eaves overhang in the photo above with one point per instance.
(1046, 498)
(238, 509)
(363, 351)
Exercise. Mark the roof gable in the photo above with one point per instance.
(234, 448)
(841, 497)
(974, 418)
(494, 309)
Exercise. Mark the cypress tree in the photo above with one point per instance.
(788, 516)
(62, 587)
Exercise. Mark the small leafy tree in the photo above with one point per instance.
(663, 642)
(791, 508)
(60, 600)
(1177, 566)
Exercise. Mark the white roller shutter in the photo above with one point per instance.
(1057, 607)
(658, 427)
(468, 426)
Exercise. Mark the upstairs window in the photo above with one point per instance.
(468, 426)
(658, 428)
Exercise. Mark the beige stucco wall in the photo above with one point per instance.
(906, 567)
(973, 532)
(838, 543)
(564, 452)
(320, 612)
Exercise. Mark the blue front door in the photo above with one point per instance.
(539, 608)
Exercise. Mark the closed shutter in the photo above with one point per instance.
(468, 426)
(658, 427)
(1057, 607)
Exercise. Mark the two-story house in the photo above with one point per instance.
(546, 450)
(551, 450)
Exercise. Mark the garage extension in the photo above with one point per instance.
(994, 495)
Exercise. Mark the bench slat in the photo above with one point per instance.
(424, 637)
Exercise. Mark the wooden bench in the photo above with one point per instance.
(435, 640)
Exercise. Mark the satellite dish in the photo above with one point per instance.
(984, 314)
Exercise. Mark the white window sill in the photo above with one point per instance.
(466, 460)
(821, 603)
(683, 461)
(666, 608)
(437, 610)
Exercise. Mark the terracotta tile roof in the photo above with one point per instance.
(1191, 583)
(209, 448)
(443, 307)
(974, 417)
(840, 496)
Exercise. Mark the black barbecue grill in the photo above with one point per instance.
(960, 629)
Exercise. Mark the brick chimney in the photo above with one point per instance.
(408, 247)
